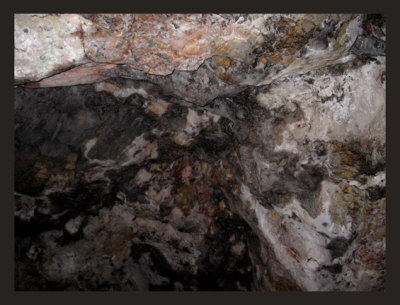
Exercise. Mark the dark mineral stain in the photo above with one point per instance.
(336, 268)
(339, 245)
(376, 193)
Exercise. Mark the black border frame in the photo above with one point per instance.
(247, 6)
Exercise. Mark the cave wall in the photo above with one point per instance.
(200, 152)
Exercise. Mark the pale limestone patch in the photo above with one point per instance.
(157, 195)
(119, 92)
(142, 177)
(73, 225)
(195, 122)
(334, 107)
(45, 44)
(311, 247)
(135, 153)
(158, 107)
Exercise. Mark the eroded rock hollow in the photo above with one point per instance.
(200, 152)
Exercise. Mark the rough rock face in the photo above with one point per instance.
(200, 152)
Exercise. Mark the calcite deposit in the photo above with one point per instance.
(241, 152)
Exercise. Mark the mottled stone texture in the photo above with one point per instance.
(200, 152)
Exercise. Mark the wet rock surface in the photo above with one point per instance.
(256, 167)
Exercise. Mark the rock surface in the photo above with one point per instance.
(200, 152)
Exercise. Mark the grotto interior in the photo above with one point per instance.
(206, 152)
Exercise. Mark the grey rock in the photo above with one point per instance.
(259, 167)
